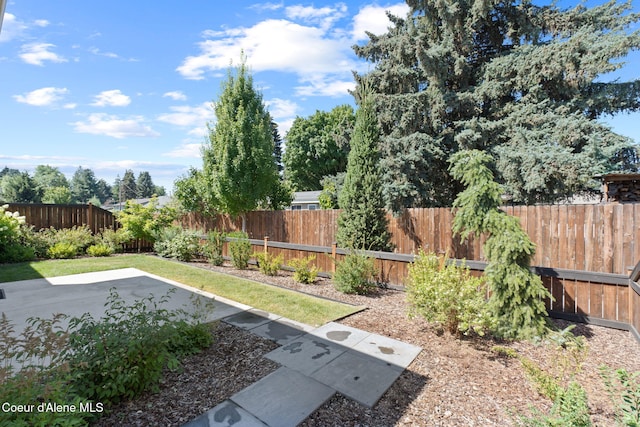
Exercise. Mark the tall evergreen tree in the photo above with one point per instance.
(277, 147)
(83, 185)
(19, 188)
(46, 176)
(144, 185)
(239, 166)
(127, 187)
(103, 190)
(363, 224)
(519, 80)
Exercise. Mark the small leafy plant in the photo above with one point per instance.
(447, 294)
(99, 250)
(268, 264)
(303, 269)
(177, 243)
(624, 391)
(213, 247)
(62, 250)
(240, 250)
(355, 274)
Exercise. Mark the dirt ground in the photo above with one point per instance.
(453, 382)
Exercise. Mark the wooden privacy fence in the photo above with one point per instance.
(602, 238)
(65, 216)
(605, 299)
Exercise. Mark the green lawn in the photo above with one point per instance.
(290, 304)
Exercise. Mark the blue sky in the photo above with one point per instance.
(129, 84)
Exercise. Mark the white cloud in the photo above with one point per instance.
(13, 28)
(373, 18)
(324, 16)
(111, 98)
(37, 53)
(185, 115)
(42, 97)
(321, 86)
(104, 124)
(281, 108)
(274, 45)
(186, 150)
(266, 6)
(98, 52)
(176, 95)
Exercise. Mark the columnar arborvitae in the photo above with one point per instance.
(363, 222)
(521, 81)
(517, 294)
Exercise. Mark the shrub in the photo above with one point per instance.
(447, 295)
(268, 264)
(12, 247)
(176, 243)
(38, 241)
(213, 247)
(143, 222)
(624, 391)
(355, 274)
(123, 353)
(113, 238)
(99, 250)
(79, 236)
(43, 376)
(240, 249)
(62, 250)
(303, 271)
(570, 408)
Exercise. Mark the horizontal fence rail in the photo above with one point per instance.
(604, 299)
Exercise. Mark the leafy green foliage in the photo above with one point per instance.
(144, 185)
(43, 376)
(113, 238)
(268, 264)
(355, 274)
(177, 243)
(517, 294)
(62, 250)
(623, 388)
(123, 353)
(570, 408)
(19, 188)
(57, 195)
(100, 249)
(239, 168)
(83, 185)
(448, 295)
(318, 146)
(363, 224)
(304, 271)
(12, 243)
(143, 222)
(331, 187)
(524, 81)
(213, 247)
(79, 236)
(239, 249)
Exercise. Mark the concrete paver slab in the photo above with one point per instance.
(281, 331)
(224, 415)
(398, 353)
(340, 334)
(250, 319)
(283, 398)
(306, 354)
(359, 377)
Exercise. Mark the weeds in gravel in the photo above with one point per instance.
(624, 391)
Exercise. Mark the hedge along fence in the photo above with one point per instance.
(604, 299)
(602, 238)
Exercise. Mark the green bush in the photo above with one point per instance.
(240, 250)
(99, 250)
(123, 353)
(38, 241)
(79, 236)
(355, 274)
(43, 377)
(213, 247)
(176, 243)
(12, 246)
(624, 391)
(113, 238)
(268, 264)
(143, 222)
(303, 271)
(447, 295)
(62, 250)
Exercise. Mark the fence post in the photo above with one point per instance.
(334, 248)
(266, 244)
(90, 222)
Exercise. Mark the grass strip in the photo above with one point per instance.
(283, 302)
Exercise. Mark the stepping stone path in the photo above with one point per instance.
(316, 363)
